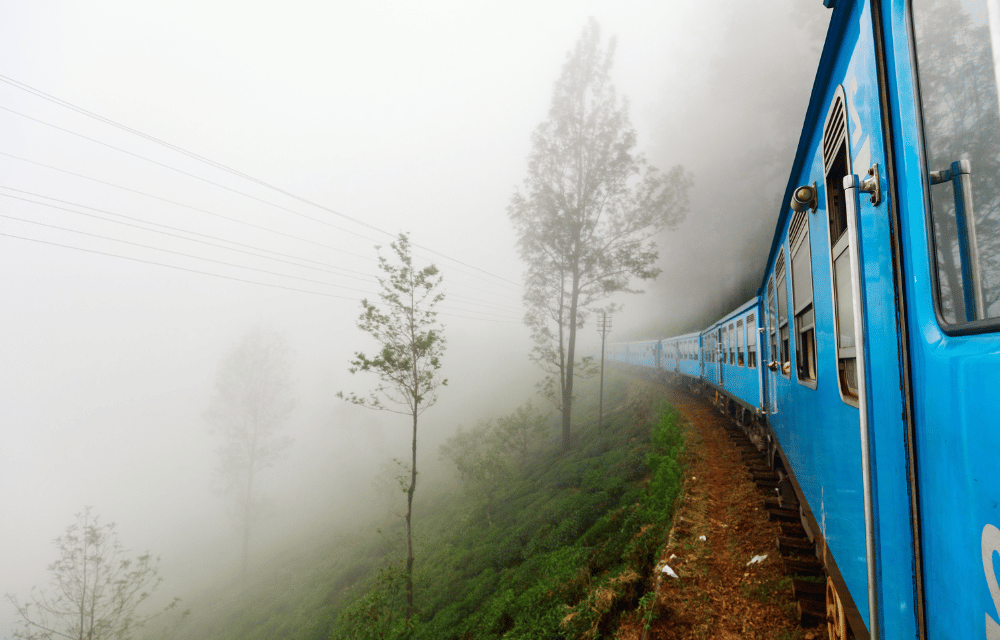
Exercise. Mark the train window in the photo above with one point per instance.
(772, 323)
(802, 298)
(836, 165)
(782, 294)
(740, 361)
(732, 346)
(958, 58)
(751, 342)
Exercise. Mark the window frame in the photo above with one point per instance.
(740, 339)
(968, 327)
(751, 327)
(839, 246)
(781, 282)
(799, 239)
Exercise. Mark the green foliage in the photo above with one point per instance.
(571, 548)
(375, 611)
(664, 465)
(410, 340)
(486, 457)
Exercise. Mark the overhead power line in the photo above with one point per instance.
(225, 277)
(187, 255)
(218, 165)
(228, 218)
(333, 269)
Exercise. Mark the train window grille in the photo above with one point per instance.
(782, 295)
(836, 165)
(802, 298)
(957, 63)
(740, 357)
(751, 342)
(735, 344)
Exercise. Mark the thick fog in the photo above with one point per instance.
(392, 117)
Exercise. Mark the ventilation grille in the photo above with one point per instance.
(800, 224)
(779, 266)
(835, 131)
(750, 319)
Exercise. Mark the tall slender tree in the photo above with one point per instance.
(251, 403)
(586, 214)
(411, 343)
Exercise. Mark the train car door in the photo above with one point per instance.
(951, 213)
(866, 364)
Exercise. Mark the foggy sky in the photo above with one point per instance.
(409, 117)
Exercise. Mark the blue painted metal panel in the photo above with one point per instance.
(955, 401)
(741, 381)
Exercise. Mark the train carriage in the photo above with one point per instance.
(730, 362)
(878, 318)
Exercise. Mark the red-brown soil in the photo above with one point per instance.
(718, 594)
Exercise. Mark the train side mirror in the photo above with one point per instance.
(804, 198)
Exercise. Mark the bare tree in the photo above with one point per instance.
(587, 213)
(250, 404)
(96, 590)
(411, 345)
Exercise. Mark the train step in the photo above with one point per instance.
(793, 530)
(808, 590)
(811, 613)
(795, 546)
(767, 475)
(803, 566)
(770, 488)
(778, 514)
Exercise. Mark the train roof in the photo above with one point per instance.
(735, 312)
(815, 113)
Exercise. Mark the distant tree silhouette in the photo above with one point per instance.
(249, 406)
(586, 214)
(96, 589)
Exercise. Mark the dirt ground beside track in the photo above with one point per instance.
(718, 594)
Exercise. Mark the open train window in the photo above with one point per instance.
(836, 165)
(782, 293)
(772, 323)
(740, 361)
(751, 342)
(958, 58)
(802, 298)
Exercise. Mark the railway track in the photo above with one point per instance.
(741, 517)
(797, 551)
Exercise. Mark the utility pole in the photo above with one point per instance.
(604, 327)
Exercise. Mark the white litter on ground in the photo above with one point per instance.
(702, 538)
(670, 572)
(757, 560)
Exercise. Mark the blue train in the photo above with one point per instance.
(868, 363)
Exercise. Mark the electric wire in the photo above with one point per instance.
(232, 219)
(225, 277)
(333, 269)
(218, 165)
(188, 255)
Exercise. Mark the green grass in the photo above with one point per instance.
(573, 540)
